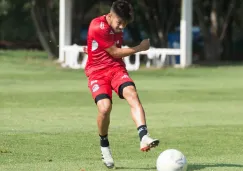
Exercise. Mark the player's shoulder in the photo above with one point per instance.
(100, 24)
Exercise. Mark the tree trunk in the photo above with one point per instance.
(212, 43)
(41, 36)
(50, 22)
(212, 48)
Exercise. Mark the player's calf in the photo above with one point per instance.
(103, 118)
(103, 121)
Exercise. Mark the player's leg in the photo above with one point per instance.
(128, 91)
(125, 88)
(103, 121)
(102, 94)
(103, 118)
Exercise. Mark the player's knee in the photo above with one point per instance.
(130, 93)
(104, 106)
(125, 89)
(133, 94)
(105, 110)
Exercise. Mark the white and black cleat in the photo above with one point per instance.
(107, 157)
(147, 143)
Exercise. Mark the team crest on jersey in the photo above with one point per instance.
(94, 45)
(94, 81)
(95, 87)
(102, 25)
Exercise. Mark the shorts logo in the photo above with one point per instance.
(125, 76)
(95, 87)
(92, 82)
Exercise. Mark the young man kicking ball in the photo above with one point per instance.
(106, 71)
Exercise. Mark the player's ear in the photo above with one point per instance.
(109, 14)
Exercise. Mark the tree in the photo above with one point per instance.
(16, 24)
(43, 20)
(216, 20)
(157, 18)
(80, 10)
(45, 17)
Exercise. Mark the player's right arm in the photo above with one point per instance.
(123, 52)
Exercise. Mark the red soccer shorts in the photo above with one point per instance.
(101, 83)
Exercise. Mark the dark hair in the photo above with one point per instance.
(123, 9)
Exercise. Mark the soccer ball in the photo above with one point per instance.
(171, 160)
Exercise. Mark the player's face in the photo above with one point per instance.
(117, 23)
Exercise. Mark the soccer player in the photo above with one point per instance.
(106, 71)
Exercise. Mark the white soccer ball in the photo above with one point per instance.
(171, 160)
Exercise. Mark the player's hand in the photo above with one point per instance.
(144, 45)
(85, 49)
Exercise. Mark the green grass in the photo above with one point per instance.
(48, 118)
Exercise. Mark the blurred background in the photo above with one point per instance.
(217, 25)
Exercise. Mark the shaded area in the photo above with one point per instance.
(217, 63)
(135, 168)
(198, 166)
(191, 167)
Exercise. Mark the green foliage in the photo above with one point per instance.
(16, 22)
(4, 7)
(154, 19)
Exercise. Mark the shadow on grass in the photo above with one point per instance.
(135, 168)
(191, 167)
(218, 63)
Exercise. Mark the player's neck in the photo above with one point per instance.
(108, 19)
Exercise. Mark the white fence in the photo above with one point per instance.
(155, 57)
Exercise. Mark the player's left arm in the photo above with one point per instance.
(124, 52)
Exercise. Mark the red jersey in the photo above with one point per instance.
(100, 37)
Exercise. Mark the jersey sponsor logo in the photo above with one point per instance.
(117, 42)
(102, 25)
(95, 88)
(94, 45)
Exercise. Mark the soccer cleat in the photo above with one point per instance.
(107, 158)
(147, 143)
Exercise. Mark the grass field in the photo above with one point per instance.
(48, 118)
